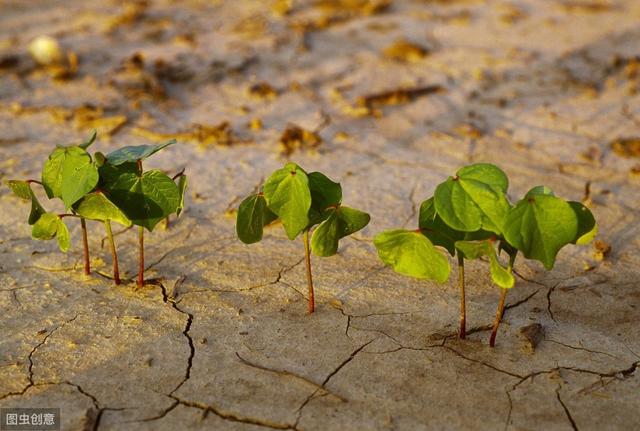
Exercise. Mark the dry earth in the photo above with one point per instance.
(221, 340)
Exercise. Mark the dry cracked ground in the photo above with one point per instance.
(389, 97)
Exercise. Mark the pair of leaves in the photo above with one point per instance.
(541, 224)
(501, 276)
(23, 190)
(69, 174)
(51, 226)
(145, 198)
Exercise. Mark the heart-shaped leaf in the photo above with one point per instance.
(474, 199)
(96, 206)
(46, 227)
(145, 198)
(135, 153)
(325, 238)
(352, 220)
(253, 215)
(411, 253)
(433, 227)
(21, 189)
(287, 194)
(324, 191)
(587, 226)
(501, 276)
(182, 188)
(540, 225)
(340, 222)
(69, 174)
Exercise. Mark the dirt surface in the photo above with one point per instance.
(548, 90)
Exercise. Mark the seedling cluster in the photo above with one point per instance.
(470, 216)
(111, 188)
(301, 201)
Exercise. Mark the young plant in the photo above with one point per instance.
(470, 216)
(300, 201)
(68, 174)
(143, 198)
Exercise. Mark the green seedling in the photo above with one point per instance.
(68, 174)
(144, 198)
(301, 201)
(470, 217)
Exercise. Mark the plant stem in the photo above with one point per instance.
(463, 313)
(141, 258)
(500, 310)
(116, 271)
(307, 255)
(85, 246)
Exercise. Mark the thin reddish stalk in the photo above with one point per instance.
(141, 256)
(463, 312)
(307, 255)
(85, 247)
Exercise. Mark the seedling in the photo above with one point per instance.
(103, 188)
(470, 216)
(68, 174)
(143, 198)
(300, 201)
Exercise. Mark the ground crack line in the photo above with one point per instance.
(566, 411)
(30, 359)
(328, 378)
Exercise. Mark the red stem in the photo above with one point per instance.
(85, 247)
(141, 257)
(307, 255)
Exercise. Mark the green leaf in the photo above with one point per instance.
(182, 188)
(539, 226)
(351, 220)
(411, 253)
(476, 249)
(325, 238)
(500, 275)
(88, 142)
(474, 199)
(324, 192)
(96, 206)
(340, 222)
(36, 209)
(69, 174)
(144, 198)
(539, 190)
(253, 215)
(46, 227)
(433, 227)
(21, 189)
(587, 226)
(135, 153)
(287, 194)
(62, 235)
